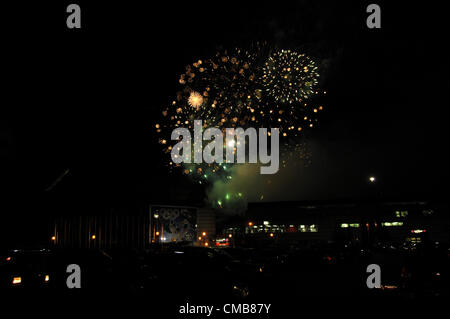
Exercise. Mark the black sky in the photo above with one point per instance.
(85, 99)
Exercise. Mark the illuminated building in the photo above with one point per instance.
(345, 221)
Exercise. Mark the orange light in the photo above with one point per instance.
(206, 244)
(271, 235)
(204, 234)
(53, 238)
(157, 233)
(8, 258)
(199, 238)
(93, 237)
(17, 280)
(250, 224)
(46, 278)
(388, 287)
(230, 235)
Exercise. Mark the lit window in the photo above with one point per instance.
(401, 213)
(392, 224)
(352, 225)
(308, 228)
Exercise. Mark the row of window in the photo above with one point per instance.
(280, 229)
(384, 224)
(312, 228)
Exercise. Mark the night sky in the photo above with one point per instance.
(86, 99)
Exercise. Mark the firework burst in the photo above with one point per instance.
(289, 76)
(195, 100)
(258, 87)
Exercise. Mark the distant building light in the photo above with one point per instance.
(266, 222)
(392, 224)
(156, 216)
(402, 213)
(352, 225)
(17, 280)
(418, 231)
(308, 228)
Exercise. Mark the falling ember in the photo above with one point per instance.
(195, 99)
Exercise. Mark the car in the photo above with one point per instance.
(25, 269)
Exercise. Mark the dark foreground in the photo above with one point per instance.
(289, 279)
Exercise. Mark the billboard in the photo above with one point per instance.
(173, 223)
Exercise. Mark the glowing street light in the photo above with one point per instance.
(93, 237)
(372, 179)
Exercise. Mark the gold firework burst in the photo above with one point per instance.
(195, 99)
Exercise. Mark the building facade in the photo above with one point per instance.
(362, 222)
